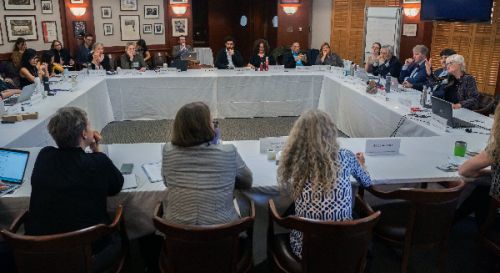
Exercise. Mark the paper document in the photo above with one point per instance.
(153, 171)
(130, 181)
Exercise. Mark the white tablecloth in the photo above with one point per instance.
(205, 55)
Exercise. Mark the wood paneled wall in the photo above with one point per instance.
(295, 27)
(478, 43)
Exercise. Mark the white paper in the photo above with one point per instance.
(129, 182)
(277, 68)
(389, 146)
(153, 171)
(97, 73)
(439, 123)
(274, 143)
(410, 30)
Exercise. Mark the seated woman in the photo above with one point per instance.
(476, 167)
(70, 187)
(260, 53)
(132, 60)
(316, 172)
(103, 61)
(96, 62)
(31, 68)
(17, 52)
(61, 55)
(371, 61)
(201, 176)
(327, 57)
(461, 89)
(142, 49)
(52, 67)
(438, 78)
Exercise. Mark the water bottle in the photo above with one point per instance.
(261, 68)
(388, 81)
(217, 138)
(423, 96)
(428, 98)
(267, 63)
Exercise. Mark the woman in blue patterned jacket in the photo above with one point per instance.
(316, 172)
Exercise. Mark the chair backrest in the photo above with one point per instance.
(59, 253)
(431, 211)
(213, 248)
(329, 246)
(489, 229)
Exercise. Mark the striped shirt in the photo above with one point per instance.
(200, 181)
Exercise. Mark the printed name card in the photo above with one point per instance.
(304, 68)
(387, 146)
(165, 70)
(276, 68)
(210, 69)
(97, 73)
(274, 143)
(439, 123)
(321, 67)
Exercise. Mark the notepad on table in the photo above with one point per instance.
(153, 171)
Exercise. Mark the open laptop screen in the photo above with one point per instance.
(13, 165)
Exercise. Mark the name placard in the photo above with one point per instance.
(276, 68)
(303, 68)
(97, 73)
(321, 67)
(274, 143)
(165, 70)
(386, 146)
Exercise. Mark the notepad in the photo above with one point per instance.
(153, 171)
(129, 181)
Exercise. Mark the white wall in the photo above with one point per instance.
(321, 22)
(115, 39)
(7, 46)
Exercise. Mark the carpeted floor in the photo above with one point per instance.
(465, 253)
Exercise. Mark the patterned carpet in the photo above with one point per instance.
(465, 253)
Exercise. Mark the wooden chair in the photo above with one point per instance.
(208, 249)
(65, 252)
(327, 246)
(423, 219)
(490, 230)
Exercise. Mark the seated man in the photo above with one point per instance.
(387, 63)
(228, 57)
(295, 57)
(182, 49)
(7, 89)
(83, 52)
(70, 187)
(413, 74)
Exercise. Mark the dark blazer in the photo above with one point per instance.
(61, 55)
(221, 61)
(289, 60)
(392, 66)
(125, 62)
(176, 53)
(83, 55)
(332, 59)
(255, 60)
(70, 190)
(420, 77)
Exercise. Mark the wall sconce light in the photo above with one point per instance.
(290, 9)
(78, 11)
(179, 9)
(411, 12)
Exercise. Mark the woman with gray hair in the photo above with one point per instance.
(387, 63)
(461, 89)
(132, 60)
(70, 187)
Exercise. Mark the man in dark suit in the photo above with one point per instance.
(295, 57)
(182, 49)
(387, 63)
(83, 53)
(228, 57)
(414, 75)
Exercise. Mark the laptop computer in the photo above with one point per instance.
(444, 109)
(25, 95)
(12, 169)
(190, 56)
(181, 65)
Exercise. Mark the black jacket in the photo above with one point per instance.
(289, 60)
(63, 54)
(392, 66)
(221, 61)
(256, 60)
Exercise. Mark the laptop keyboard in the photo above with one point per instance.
(6, 188)
(458, 123)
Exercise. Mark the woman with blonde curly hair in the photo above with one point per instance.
(316, 172)
(476, 167)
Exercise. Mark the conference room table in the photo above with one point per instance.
(133, 95)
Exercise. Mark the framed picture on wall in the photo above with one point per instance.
(47, 7)
(147, 28)
(21, 26)
(19, 4)
(106, 12)
(128, 5)
(108, 29)
(151, 11)
(179, 1)
(49, 30)
(79, 28)
(158, 29)
(76, 1)
(130, 28)
(179, 27)
(289, 1)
